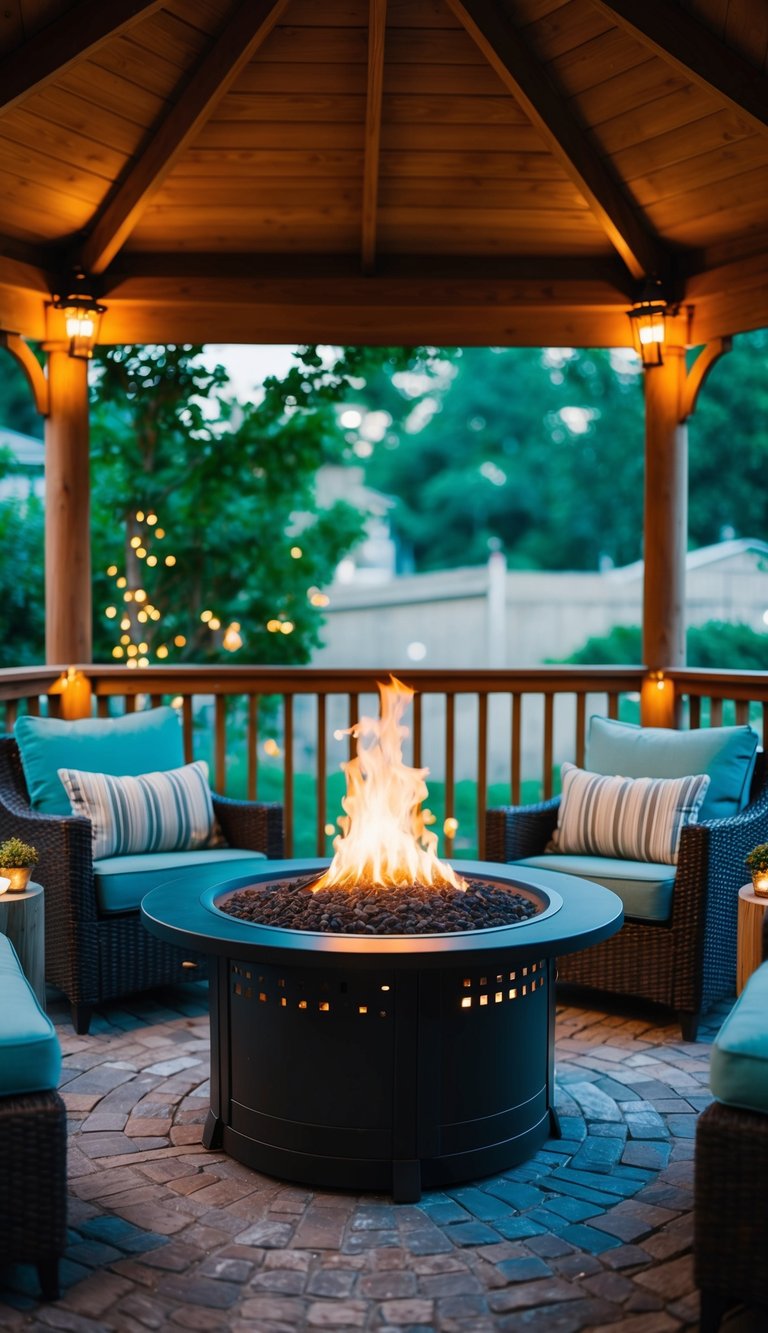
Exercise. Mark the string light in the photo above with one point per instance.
(170, 560)
(151, 519)
(125, 623)
(122, 582)
(117, 651)
(205, 616)
(214, 623)
(180, 641)
(135, 541)
(151, 561)
(162, 651)
(296, 552)
(139, 515)
(111, 612)
(111, 570)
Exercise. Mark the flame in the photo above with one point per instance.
(384, 841)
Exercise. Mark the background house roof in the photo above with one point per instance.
(434, 170)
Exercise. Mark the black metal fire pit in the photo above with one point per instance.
(383, 1062)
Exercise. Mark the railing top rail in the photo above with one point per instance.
(108, 679)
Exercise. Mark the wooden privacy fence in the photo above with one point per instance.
(517, 723)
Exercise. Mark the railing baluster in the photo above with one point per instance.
(156, 700)
(517, 747)
(288, 803)
(33, 706)
(482, 771)
(130, 703)
(417, 730)
(581, 729)
(252, 746)
(187, 724)
(220, 742)
(322, 766)
(715, 712)
(694, 712)
(102, 706)
(10, 714)
(548, 751)
(450, 765)
(613, 704)
(742, 712)
(353, 713)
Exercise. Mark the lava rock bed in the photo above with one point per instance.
(413, 910)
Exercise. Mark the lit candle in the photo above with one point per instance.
(760, 883)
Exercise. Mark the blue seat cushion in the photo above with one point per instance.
(125, 746)
(644, 887)
(738, 1071)
(122, 881)
(30, 1055)
(727, 754)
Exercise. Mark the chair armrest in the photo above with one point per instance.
(65, 867)
(515, 831)
(256, 826)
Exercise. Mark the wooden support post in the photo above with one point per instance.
(68, 637)
(666, 514)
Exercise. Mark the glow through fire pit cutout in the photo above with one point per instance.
(384, 841)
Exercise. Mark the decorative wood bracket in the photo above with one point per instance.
(698, 372)
(22, 352)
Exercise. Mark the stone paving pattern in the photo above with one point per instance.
(593, 1233)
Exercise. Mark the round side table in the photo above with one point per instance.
(22, 919)
(749, 939)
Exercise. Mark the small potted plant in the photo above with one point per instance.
(756, 862)
(16, 861)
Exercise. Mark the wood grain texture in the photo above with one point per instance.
(377, 27)
(749, 935)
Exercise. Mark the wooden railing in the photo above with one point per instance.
(503, 731)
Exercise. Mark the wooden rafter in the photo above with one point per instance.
(75, 33)
(672, 33)
(377, 24)
(215, 73)
(530, 84)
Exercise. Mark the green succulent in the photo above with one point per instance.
(757, 859)
(15, 853)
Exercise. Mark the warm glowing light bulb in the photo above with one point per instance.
(159, 533)
(319, 599)
(125, 638)
(135, 542)
(214, 623)
(273, 626)
(128, 596)
(132, 650)
(154, 614)
(329, 830)
(121, 582)
(180, 641)
(296, 552)
(112, 570)
(143, 661)
(152, 561)
(131, 662)
(141, 551)
(110, 612)
(125, 623)
(151, 519)
(140, 595)
(271, 748)
(170, 560)
(287, 627)
(139, 515)
(162, 651)
(142, 617)
(143, 648)
(117, 652)
(205, 616)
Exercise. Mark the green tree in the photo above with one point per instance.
(204, 515)
(539, 450)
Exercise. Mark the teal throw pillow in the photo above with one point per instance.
(727, 754)
(129, 745)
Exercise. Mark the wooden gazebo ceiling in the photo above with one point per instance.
(450, 171)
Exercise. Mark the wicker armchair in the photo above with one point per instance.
(731, 1186)
(93, 958)
(685, 963)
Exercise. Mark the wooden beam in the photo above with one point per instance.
(695, 52)
(200, 92)
(531, 86)
(666, 514)
(75, 33)
(22, 352)
(377, 26)
(68, 593)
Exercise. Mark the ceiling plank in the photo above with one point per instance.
(531, 85)
(200, 92)
(694, 50)
(75, 33)
(377, 25)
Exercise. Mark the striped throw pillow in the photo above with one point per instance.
(637, 819)
(157, 812)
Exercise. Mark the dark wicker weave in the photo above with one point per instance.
(686, 963)
(92, 958)
(33, 1184)
(731, 1208)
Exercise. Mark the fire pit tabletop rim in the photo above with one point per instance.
(588, 913)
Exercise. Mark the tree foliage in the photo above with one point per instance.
(231, 487)
(717, 645)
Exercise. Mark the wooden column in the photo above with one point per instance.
(68, 635)
(666, 513)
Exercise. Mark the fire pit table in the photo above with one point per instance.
(383, 1062)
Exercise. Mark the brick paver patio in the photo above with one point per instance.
(593, 1232)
